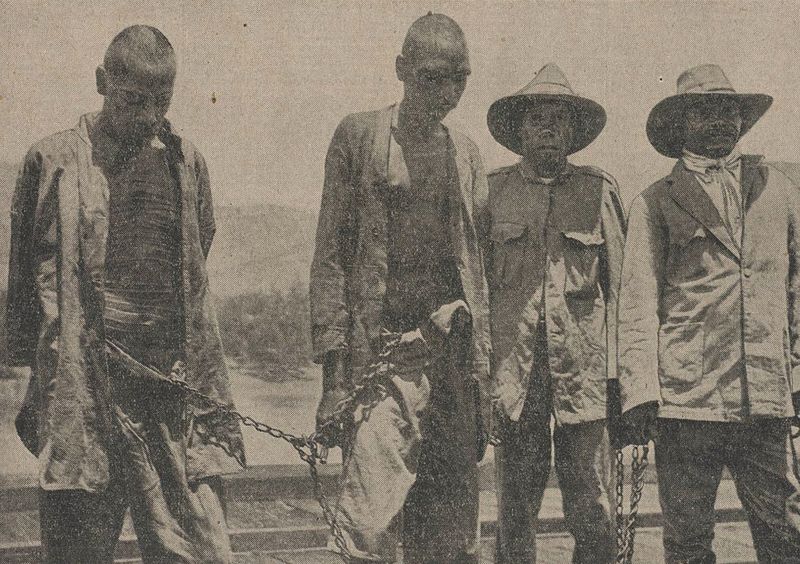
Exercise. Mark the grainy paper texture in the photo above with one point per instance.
(260, 89)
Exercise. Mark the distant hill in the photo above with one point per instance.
(256, 248)
(261, 248)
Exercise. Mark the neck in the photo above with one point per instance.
(710, 155)
(549, 169)
(414, 121)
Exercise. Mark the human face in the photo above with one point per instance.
(545, 133)
(713, 126)
(135, 105)
(434, 82)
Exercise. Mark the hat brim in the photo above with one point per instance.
(665, 128)
(505, 114)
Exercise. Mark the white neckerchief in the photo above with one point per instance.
(721, 180)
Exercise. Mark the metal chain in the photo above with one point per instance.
(379, 370)
(309, 448)
(626, 528)
(620, 506)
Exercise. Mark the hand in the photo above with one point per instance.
(335, 387)
(411, 351)
(450, 319)
(639, 424)
(332, 434)
(485, 426)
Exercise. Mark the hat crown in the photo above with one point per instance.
(704, 79)
(549, 80)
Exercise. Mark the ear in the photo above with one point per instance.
(401, 68)
(101, 78)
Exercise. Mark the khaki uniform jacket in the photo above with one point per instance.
(710, 330)
(349, 269)
(59, 228)
(555, 252)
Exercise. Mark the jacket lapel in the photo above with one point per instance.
(396, 170)
(687, 192)
(464, 170)
(93, 208)
(753, 180)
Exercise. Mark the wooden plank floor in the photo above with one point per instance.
(732, 545)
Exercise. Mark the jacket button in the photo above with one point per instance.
(748, 272)
(375, 231)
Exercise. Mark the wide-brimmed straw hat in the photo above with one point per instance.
(665, 125)
(549, 84)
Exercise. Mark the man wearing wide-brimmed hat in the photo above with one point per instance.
(556, 235)
(709, 322)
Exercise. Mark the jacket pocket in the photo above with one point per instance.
(582, 263)
(508, 252)
(680, 354)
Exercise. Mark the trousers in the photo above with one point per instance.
(411, 471)
(175, 520)
(690, 456)
(583, 464)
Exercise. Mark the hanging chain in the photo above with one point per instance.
(619, 513)
(309, 448)
(626, 528)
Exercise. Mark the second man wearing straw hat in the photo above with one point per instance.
(709, 322)
(556, 234)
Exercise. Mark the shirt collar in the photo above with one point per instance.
(527, 172)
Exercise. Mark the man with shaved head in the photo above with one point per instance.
(108, 296)
(397, 254)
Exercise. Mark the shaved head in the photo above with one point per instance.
(434, 34)
(433, 66)
(136, 79)
(140, 50)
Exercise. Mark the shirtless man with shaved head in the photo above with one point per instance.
(397, 253)
(108, 295)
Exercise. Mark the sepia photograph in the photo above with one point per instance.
(413, 282)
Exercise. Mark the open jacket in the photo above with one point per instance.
(349, 270)
(708, 329)
(555, 255)
(59, 226)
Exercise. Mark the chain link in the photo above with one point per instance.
(309, 448)
(626, 528)
(619, 513)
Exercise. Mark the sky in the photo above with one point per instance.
(262, 85)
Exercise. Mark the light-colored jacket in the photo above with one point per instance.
(59, 229)
(710, 331)
(349, 270)
(564, 241)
